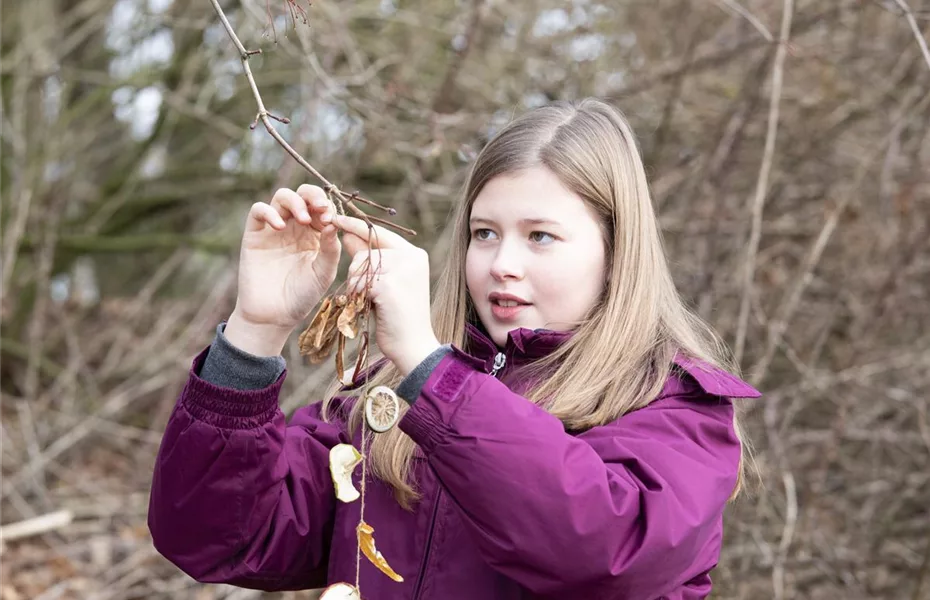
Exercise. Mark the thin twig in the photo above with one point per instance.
(791, 520)
(265, 117)
(17, 131)
(762, 184)
(357, 212)
(922, 572)
(735, 7)
(909, 15)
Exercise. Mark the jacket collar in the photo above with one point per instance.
(525, 345)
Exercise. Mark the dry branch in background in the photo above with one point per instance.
(758, 201)
(125, 177)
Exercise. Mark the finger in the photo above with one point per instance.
(315, 198)
(366, 262)
(353, 244)
(358, 260)
(362, 282)
(288, 204)
(329, 242)
(354, 285)
(321, 207)
(380, 237)
(261, 214)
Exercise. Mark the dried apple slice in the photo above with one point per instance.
(343, 459)
(341, 591)
(319, 323)
(366, 542)
(319, 354)
(317, 341)
(349, 316)
(382, 408)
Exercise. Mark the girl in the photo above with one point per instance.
(568, 430)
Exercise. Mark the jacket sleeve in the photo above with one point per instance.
(239, 496)
(628, 510)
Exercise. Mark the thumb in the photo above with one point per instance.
(353, 244)
(380, 237)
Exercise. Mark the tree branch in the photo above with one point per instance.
(135, 243)
(341, 198)
(909, 15)
(734, 7)
(762, 183)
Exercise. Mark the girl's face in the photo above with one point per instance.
(536, 258)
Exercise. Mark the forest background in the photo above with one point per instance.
(787, 145)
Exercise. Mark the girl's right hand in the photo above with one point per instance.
(288, 261)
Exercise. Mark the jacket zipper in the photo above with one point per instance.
(429, 542)
(499, 361)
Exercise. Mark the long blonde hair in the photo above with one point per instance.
(619, 358)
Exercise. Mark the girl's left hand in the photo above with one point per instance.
(400, 291)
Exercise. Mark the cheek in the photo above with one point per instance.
(572, 271)
(473, 279)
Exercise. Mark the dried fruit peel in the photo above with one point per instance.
(347, 323)
(366, 542)
(343, 458)
(341, 591)
(338, 318)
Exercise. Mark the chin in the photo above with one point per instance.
(500, 339)
(499, 333)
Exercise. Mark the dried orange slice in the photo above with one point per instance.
(341, 591)
(366, 542)
(382, 408)
(343, 459)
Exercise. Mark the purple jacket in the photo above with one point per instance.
(513, 506)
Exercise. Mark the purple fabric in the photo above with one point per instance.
(513, 507)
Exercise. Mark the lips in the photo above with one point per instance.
(506, 307)
(506, 300)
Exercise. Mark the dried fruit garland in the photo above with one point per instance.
(340, 318)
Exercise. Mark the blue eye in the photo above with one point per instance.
(536, 236)
(482, 234)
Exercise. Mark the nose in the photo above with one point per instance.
(507, 264)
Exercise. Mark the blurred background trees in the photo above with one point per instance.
(127, 167)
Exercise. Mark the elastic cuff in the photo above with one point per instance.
(409, 389)
(226, 407)
(231, 367)
(448, 388)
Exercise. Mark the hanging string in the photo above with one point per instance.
(361, 517)
(363, 450)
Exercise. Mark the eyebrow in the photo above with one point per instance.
(476, 220)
